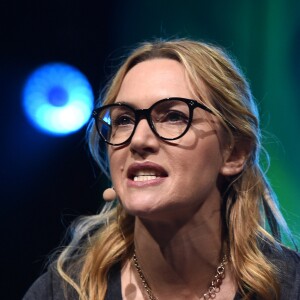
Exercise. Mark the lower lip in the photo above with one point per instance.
(146, 183)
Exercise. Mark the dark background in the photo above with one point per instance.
(47, 181)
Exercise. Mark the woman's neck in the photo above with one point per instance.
(180, 258)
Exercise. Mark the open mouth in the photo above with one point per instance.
(145, 172)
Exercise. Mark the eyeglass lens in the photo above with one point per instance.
(169, 119)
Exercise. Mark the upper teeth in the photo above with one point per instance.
(143, 177)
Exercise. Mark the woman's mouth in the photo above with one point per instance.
(143, 172)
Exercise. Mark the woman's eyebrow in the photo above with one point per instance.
(127, 103)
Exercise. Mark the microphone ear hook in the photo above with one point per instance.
(109, 194)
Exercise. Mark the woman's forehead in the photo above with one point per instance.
(157, 79)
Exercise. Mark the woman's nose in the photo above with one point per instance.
(144, 140)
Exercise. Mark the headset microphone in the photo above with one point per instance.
(109, 195)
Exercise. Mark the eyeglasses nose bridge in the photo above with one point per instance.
(143, 114)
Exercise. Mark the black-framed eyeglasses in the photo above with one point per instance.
(169, 119)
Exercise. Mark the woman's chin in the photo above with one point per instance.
(140, 210)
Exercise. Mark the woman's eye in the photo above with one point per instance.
(175, 117)
(123, 120)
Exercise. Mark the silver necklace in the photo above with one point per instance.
(213, 289)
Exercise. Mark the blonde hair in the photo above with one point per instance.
(101, 241)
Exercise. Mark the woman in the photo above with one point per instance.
(194, 216)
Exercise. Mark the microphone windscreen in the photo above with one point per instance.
(109, 194)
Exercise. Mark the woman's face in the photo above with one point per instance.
(156, 179)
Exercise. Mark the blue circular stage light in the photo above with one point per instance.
(58, 99)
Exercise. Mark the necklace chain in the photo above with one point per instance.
(213, 289)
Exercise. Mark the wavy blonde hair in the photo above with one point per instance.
(101, 241)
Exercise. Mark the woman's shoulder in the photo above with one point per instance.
(282, 255)
(49, 286)
(289, 270)
(291, 256)
(287, 263)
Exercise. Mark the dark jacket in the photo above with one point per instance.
(50, 285)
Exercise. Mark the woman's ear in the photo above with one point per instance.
(235, 157)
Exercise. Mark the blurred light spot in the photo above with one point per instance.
(57, 99)
(58, 96)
